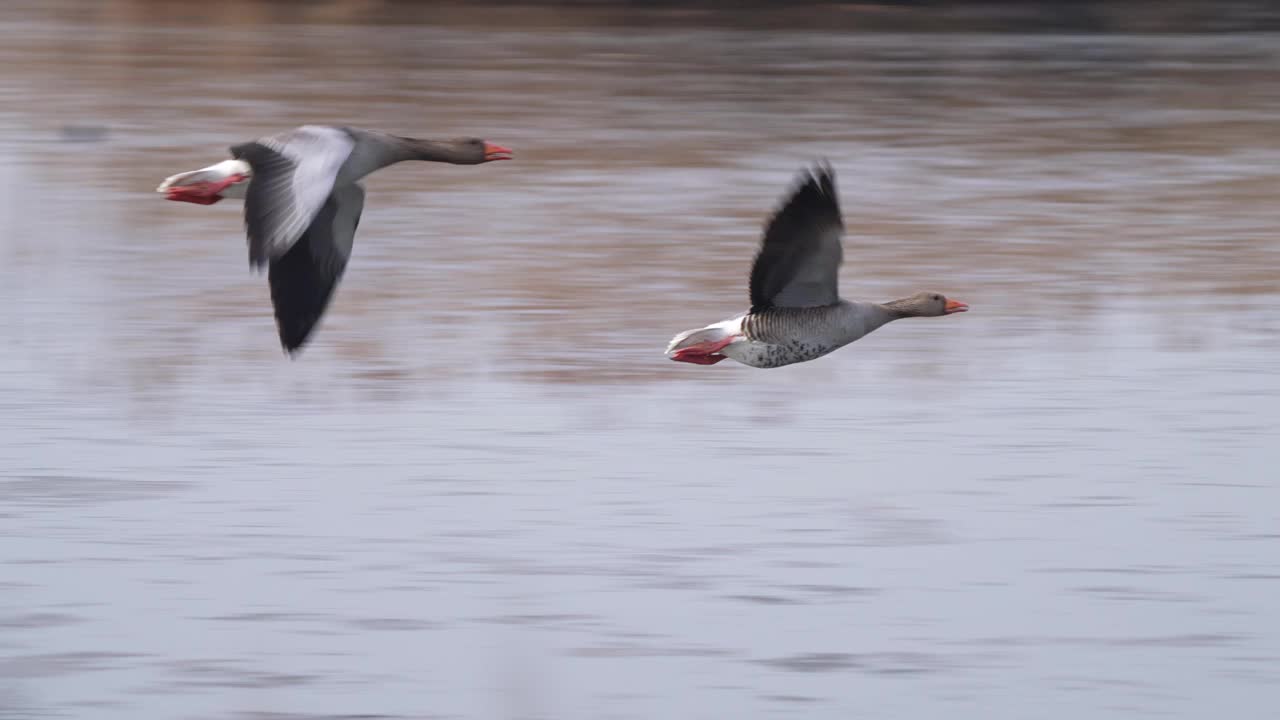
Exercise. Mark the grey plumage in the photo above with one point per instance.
(303, 205)
(293, 174)
(796, 311)
(798, 263)
(303, 279)
(783, 336)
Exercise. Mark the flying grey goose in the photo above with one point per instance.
(303, 204)
(796, 311)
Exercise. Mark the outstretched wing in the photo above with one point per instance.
(293, 174)
(798, 264)
(303, 279)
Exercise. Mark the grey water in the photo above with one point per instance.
(482, 491)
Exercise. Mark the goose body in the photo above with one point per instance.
(303, 203)
(796, 312)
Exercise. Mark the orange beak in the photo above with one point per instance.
(495, 152)
(955, 306)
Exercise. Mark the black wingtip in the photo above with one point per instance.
(814, 192)
(295, 323)
(294, 330)
(291, 343)
(821, 176)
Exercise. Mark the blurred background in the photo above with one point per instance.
(482, 491)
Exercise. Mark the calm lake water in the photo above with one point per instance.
(483, 492)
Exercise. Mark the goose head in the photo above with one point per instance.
(927, 304)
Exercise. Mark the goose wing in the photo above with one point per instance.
(798, 263)
(293, 175)
(303, 278)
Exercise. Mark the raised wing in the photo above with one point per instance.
(293, 174)
(798, 264)
(303, 279)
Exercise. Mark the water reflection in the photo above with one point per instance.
(482, 491)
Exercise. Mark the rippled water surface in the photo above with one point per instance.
(482, 491)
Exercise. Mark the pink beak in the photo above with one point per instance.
(955, 306)
(493, 151)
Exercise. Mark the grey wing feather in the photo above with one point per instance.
(293, 174)
(798, 264)
(303, 279)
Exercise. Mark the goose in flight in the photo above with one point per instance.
(302, 204)
(796, 312)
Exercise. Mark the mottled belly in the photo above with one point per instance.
(771, 355)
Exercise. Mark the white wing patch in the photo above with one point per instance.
(291, 184)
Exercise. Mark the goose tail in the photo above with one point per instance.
(702, 346)
(227, 179)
